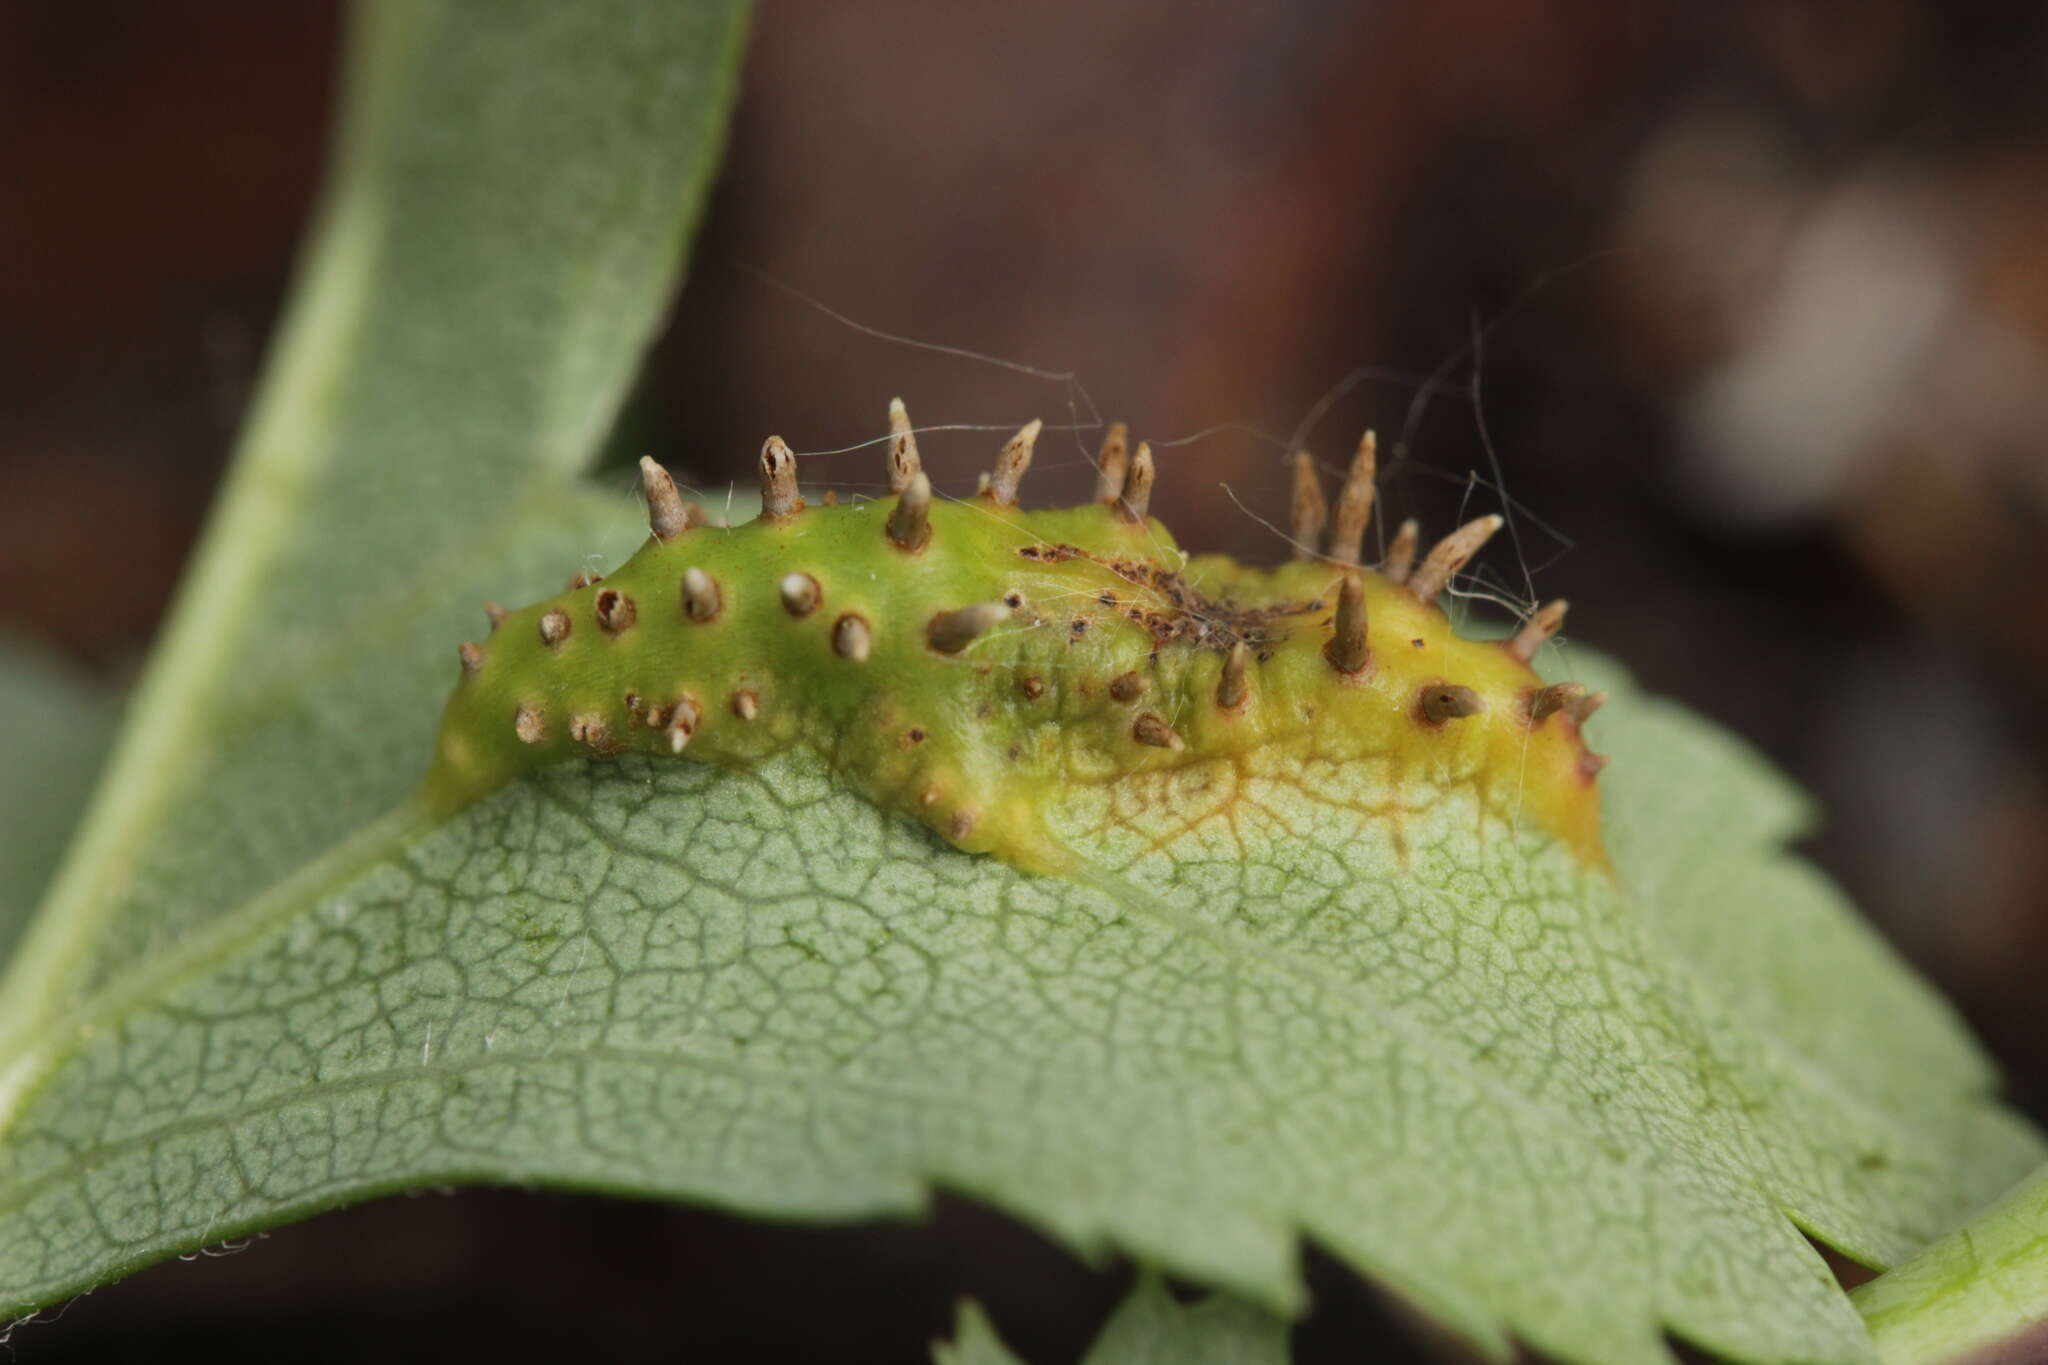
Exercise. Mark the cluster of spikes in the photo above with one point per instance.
(1124, 484)
(1311, 514)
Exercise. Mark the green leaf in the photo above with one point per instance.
(1486, 1078)
(514, 186)
(53, 732)
(974, 1341)
(1148, 1329)
(1978, 1294)
(1543, 1102)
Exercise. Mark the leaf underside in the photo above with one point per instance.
(1543, 1104)
(1148, 1329)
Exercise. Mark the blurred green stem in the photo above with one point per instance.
(1978, 1295)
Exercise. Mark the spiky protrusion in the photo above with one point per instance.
(1150, 729)
(1112, 462)
(1401, 554)
(779, 497)
(1451, 554)
(496, 615)
(952, 631)
(1354, 503)
(904, 465)
(1136, 500)
(584, 578)
(1442, 702)
(1540, 627)
(683, 722)
(1232, 688)
(851, 638)
(910, 525)
(702, 600)
(1581, 709)
(746, 703)
(554, 628)
(1127, 687)
(1011, 462)
(615, 611)
(800, 593)
(1308, 510)
(1546, 701)
(472, 657)
(529, 726)
(668, 516)
(1348, 649)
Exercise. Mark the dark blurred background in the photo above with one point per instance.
(1745, 305)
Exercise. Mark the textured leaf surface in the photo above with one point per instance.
(1275, 1004)
(1484, 1076)
(1148, 1329)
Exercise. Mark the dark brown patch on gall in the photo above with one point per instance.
(615, 611)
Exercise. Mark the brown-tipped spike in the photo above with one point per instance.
(910, 525)
(528, 725)
(952, 631)
(683, 723)
(1348, 649)
(1591, 764)
(592, 732)
(615, 611)
(1231, 687)
(1127, 687)
(1309, 510)
(1556, 697)
(904, 465)
(701, 599)
(1451, 554)
(1581, 709)
(1011, 462)
(668, 516)
(779, 497)
(1137, 495)
(851, 638)
(1401, 554)
(472, 657)
(495, 614)
(1541, 627)
(1449, 701)
(1354, 503)
(1149, 729)
(554, 628)
(746, 703)
(800, 593)
(1111, 462)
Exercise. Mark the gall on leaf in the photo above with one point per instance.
(1025, 650)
